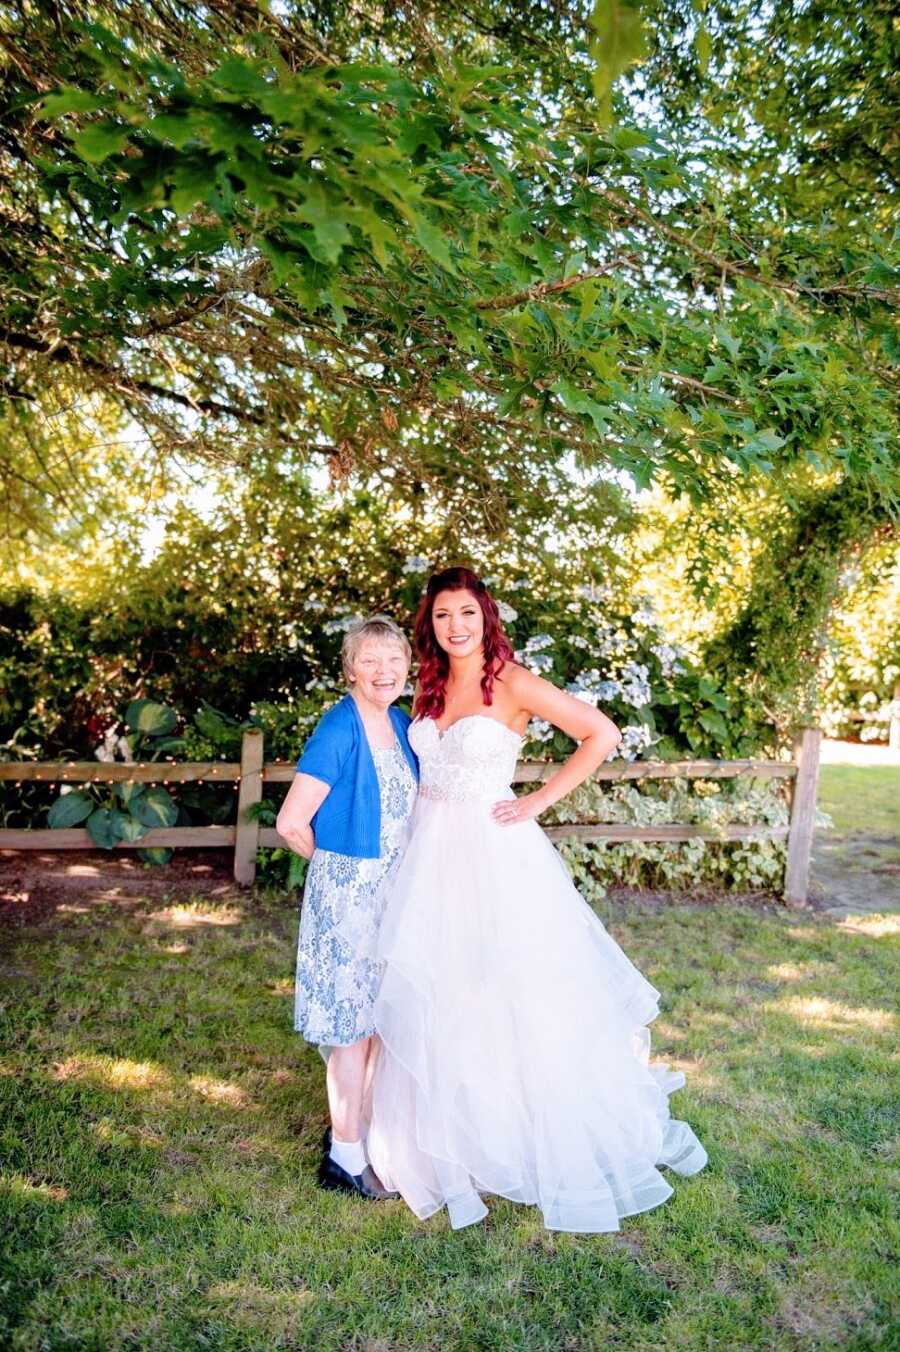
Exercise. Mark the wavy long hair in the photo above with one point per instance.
(434, 663)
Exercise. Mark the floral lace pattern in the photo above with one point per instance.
(337, 971)
(472, 761)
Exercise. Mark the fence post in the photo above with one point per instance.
(803, 816)
(246, 835)
(894, 725)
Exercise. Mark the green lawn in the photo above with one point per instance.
(862, 798)
(160, 1129)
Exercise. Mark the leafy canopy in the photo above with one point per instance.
(419, 251)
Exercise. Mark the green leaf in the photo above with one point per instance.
(731, 344)
(103, 828)
(433, 242)
(193, 183)
(156, 808)
(129, 792)
(150, 718)
(70, 809)
(619, 43)
(588, 292)
(155, 855)
(100, 140)
(128, 827)
(714, 723)
(296, 870)
(703, 48)
(69, 100)
(575, 401)
(329, 228)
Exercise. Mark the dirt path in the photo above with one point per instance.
(853, 872)
(34, 885)
(857, 872)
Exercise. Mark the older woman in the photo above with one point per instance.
(348, 811)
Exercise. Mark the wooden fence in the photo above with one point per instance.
(251, 774)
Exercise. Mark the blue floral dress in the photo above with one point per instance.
(337, 970)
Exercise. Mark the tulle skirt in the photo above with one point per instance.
(514, 1054)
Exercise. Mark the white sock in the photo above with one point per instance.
(350, 1155)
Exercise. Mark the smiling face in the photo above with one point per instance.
(457, 622)
(380, 668)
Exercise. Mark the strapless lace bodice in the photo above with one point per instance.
(472, 761)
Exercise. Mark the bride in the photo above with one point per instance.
(514, 1056)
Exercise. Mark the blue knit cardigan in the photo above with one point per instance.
(338, 753)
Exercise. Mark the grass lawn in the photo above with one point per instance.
(862, 797)
(160, 1124)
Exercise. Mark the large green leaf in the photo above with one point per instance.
(70, 100)
(150, 718)
(155, 855)
(714, 723)
(104, 828)
(100, 140)
(130, 792)
(70, 809)
(156, 808)
(129, 827)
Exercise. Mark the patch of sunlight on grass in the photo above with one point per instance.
(113, 1073)
(830, 1014)
(285, 986)
(697, 1076)
(193, 915)
(175, 948)
(805, 932)
(220, 1091)
(786, 971)
(66, 909)
(258, 1309)
(19, 1185)
(105, 1130)
(875, 926)
(799, 971)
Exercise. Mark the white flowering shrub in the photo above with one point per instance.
(611, 652)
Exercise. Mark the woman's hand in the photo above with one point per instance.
(513, 810)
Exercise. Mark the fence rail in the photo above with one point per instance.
(251, 773)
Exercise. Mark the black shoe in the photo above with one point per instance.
(367, 1184)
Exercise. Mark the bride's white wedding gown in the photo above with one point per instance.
(515, 1047)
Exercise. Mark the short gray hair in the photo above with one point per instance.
(376, 626)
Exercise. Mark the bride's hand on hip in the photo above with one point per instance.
(513, 810)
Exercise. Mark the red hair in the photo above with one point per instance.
(434, 664)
